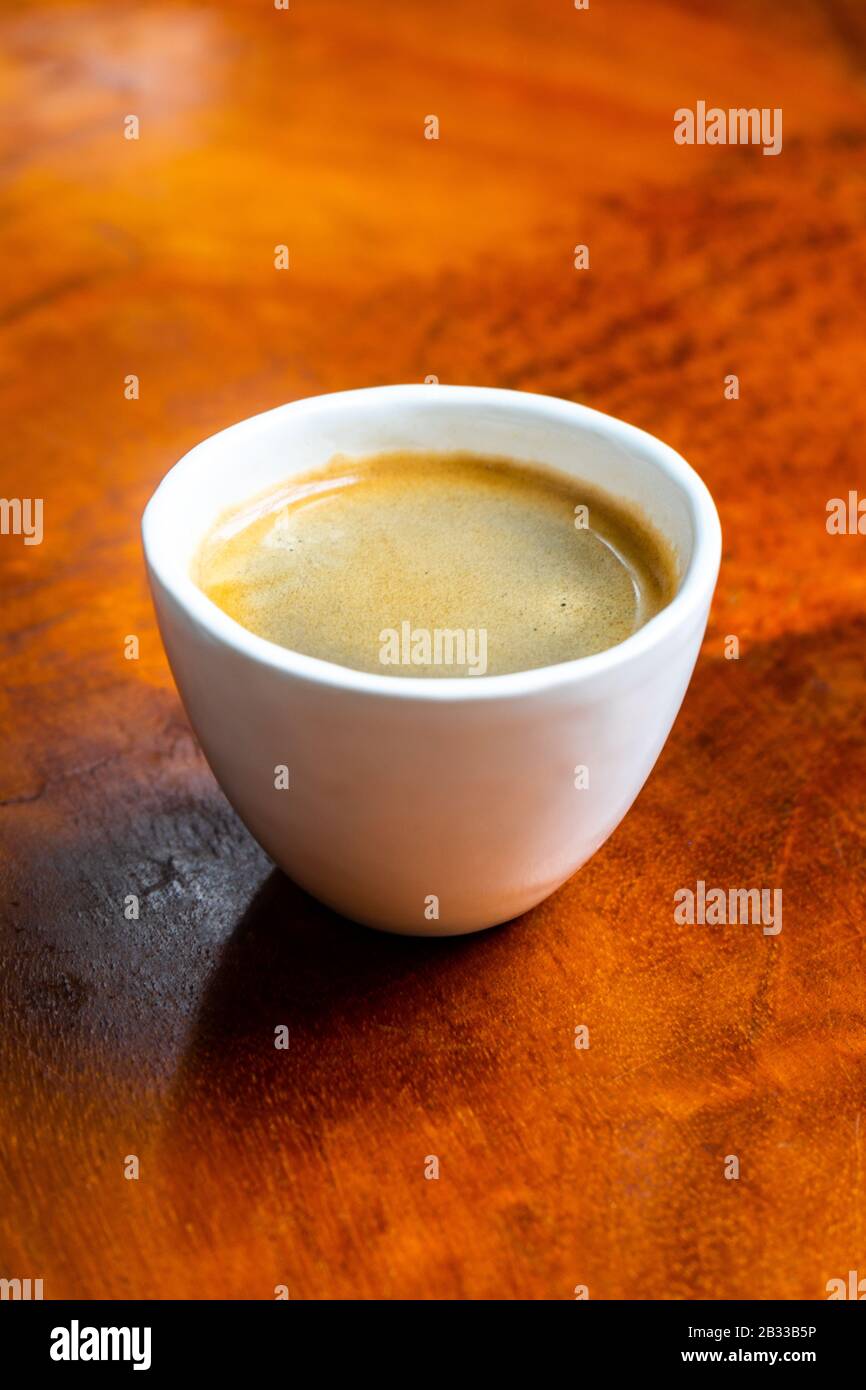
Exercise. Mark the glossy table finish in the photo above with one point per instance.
(154, 1037)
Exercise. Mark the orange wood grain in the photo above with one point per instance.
(411, 257)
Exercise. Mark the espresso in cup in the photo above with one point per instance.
(431, 807)
(424, 564)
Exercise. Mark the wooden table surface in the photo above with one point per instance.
(559, 1167)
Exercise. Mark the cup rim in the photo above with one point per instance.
(695, 589)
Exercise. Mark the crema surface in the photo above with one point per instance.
(436, 565)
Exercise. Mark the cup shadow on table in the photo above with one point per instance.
(359, 1005)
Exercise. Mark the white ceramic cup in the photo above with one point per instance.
(429, 807)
